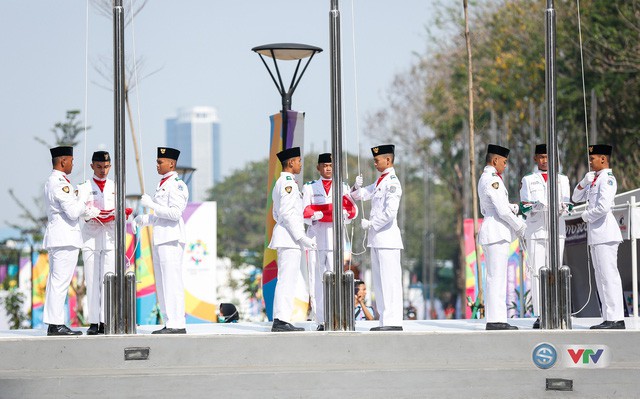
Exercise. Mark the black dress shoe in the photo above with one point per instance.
(283, 326)
(61, 329)
(610, 325)
(500, 326)
(387, 328)
(320, 327)
(101, 328)
(536, 324)
(94, 329)
(166, 330)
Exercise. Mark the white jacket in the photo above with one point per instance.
(63, 210)
(500, 224)
(533, 189)
(287, 212)
(602, 225)
(171, 198)
(315, 198)
(95, 234)
(385, 202)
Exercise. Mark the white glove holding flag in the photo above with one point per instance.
(358, 183)
(588, 178)
(514, 208)
(365, 224)
(307, 243)
(137, 222)
(147, 201)
(91, 212)
(539, 207)
(317, 215)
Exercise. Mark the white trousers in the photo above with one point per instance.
(96, 264)
(496, 258)
(387, 285)
(288, 272)
(167, 267)
(318, 262)
(608, 282)
(62, 264)
(537, 258)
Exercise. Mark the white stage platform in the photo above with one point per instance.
(452, 358)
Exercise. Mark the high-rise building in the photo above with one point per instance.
(196, 133)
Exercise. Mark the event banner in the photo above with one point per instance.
(295, 137)
(199, 263)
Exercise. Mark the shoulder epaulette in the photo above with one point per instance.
(310, 182)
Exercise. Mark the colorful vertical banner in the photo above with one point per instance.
(295, 138)
(146, 301)
(513, 271)
(199, 263)
(40, 272)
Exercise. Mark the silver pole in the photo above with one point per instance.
(109, 303)
(552, 146)
(130, 322)
(119, 145)
(565, 297)
(634, 254)
(545, 312)
(328, 284)
(349, 293)
(336, 151)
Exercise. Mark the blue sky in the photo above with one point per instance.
(201, 51)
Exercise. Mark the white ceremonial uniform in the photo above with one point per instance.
(62, 239)
(385, 242)
(98, 249)
(316, 198)
(168, 247)
(533, 190)
(289, 229)
(496, 234)
(603, 236)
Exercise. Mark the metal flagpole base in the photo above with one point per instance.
(328, 284)
(348, 289)
(110, 303)
(546, 315)
(130, 297)
(565, 298)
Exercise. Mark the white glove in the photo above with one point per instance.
(138, 221)
(365, 224)
(514, 208)
(358, 182)
(147, 201)
(584, 216)
(345, 215)
(587, 179)
(308, 243)
(539, 207)
(317, 215)
(520, 232)
(564, 209)
(91, 212)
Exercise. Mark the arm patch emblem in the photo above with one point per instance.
(288, 189)
(65, 189)
(495, 185)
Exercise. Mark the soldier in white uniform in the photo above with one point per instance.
(288, 238)
(98, 236)
(62, 238)
(599, 188)
(384, 237)
(317, 197)
(168, 204)
(533, 198)
(498, 230)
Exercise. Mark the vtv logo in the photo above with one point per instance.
(586, 355)
(592, 356)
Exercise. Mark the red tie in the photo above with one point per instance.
(65, 177)
(381, 177)
(327, 185)
(594, 180)
(165, 179)
(545, 177)
(499, 175)
(100, 184)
